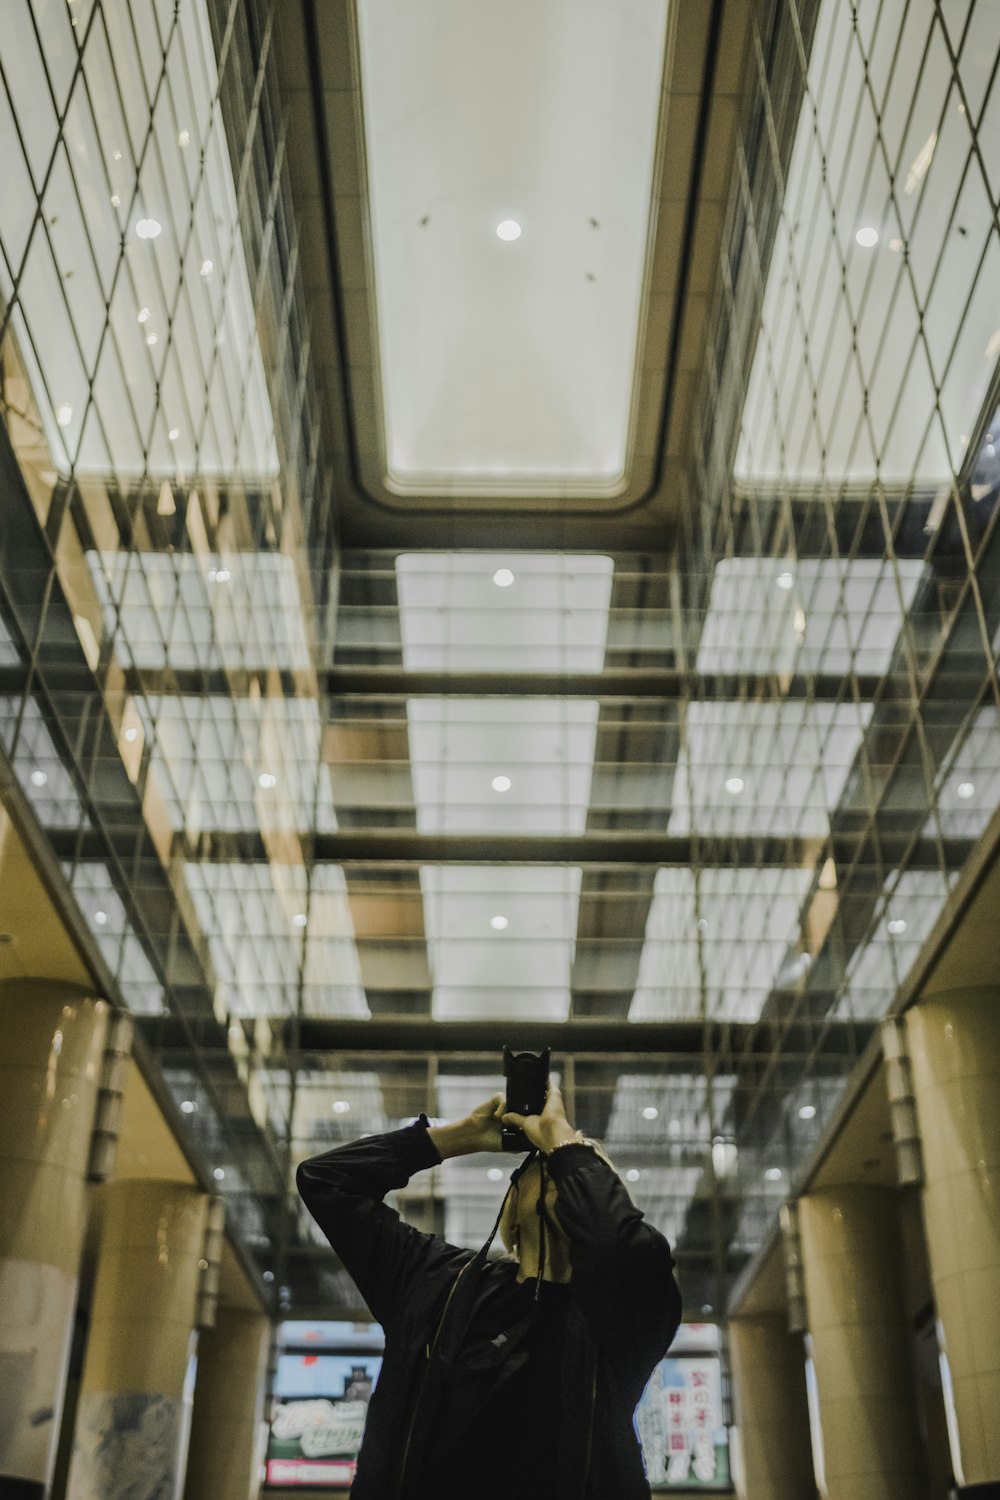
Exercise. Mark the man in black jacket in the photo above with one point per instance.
(502, 1380)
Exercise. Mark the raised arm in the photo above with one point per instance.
(622, 1266)
(343, 1190)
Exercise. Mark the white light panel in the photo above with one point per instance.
(545, 747)
(209, 753)
(751, 919)
(200, 328)
(876, 391)
(837, 616)
(241, 611)
(792, 757)
(509, 363)
(522, 972)
(552, 618)
(260, 958)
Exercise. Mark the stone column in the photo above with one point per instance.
(50, 1066)
(229, 1407)
(768, 1365)
(860, 1344)
(955, 1055)
(134, 1412)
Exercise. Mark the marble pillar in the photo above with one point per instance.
(50, 1066)
(861, 1344)
(954, 1044)
(229, 1407)
(134, 1412)
(768, 1367)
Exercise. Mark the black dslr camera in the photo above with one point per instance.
(527, 1075)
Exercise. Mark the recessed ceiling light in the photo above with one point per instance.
(174, 434)
(867, 236)
(222, 575)
(188, 1106)
(300, 919)
(64, 415)
(799, 621)
(101, 918)
(268, 1276)
(650, 1112)
(965, 790)
(508, 229)
(785, 580)
(116, 155)
(774, 1174)
(116, 201)
(895, 244)
(735, 785)
(341, 1107)
(500, 783)
(632, 1175)
(131, 735)
(219, 1174)
(702, 924)
(38, 778)
(896, 926)
(184, 138)
(267, 780)
(503, 578)
(207, 267)
(143, 315)
(807, 1112)
(494, 1173)
(499, 924)
(151, 339)
(148, 229)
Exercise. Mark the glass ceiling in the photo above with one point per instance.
(336, 819)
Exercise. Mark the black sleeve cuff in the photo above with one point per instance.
(565, 1158)
(421, 1151)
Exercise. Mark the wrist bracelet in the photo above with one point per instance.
(579, 1140)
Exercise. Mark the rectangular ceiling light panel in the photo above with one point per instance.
(765, 768)
(851, 375)
(509, 765)
(240, 612)
(831, 615)
(132, 307)
(501, 940)
(510, 157)
(272, 940)
(503, 612)
(719, 948)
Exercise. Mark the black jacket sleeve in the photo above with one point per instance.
(623, 1271)
(343, 1190)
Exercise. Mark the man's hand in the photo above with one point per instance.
(479, 1131)
(549, 1129)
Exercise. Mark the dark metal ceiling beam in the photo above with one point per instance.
(630, 683)
(404, 846)
(405, 1038)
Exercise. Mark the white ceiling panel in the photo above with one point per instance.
(543, 747)
(496, 611)
(765, 768)
(240, 611)
(272, 940)
(831, 615)
(483, 972)
(239, 765)
(728, 937)
(509, 362)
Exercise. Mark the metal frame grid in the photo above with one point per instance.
(218, 719)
